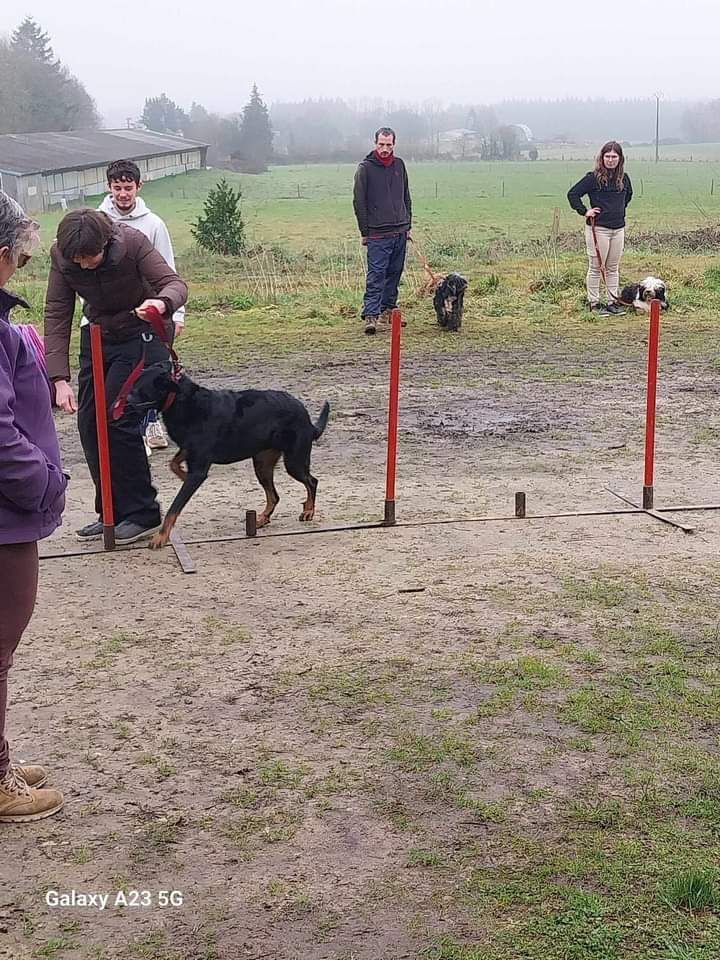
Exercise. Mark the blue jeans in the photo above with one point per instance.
(150, 417)
(386, 259)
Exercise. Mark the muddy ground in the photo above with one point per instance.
(316, 760)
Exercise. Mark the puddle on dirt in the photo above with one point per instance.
(481, 423)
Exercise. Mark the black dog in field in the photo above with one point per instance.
(448, 301)
(639, 295)
(225, 426)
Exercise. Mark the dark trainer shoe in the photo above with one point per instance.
(91, 531)
(130, 532)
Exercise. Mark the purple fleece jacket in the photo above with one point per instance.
(32, 482)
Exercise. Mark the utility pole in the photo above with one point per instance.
(657, 126)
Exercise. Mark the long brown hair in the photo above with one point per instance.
(612, 178)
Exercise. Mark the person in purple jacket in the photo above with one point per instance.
(32, 498)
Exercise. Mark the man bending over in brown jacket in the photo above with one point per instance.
(119, 274)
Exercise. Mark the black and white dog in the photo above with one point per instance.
(639, 295)
(448, 301)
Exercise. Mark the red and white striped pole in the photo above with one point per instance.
(652, 377)
(101, 423)
(393, 416)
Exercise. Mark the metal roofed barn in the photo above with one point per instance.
(42, 170)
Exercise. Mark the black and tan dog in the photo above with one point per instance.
(226, 426)
(448, 301)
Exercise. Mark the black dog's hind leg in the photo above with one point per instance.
(196, 476)
(297, 464)
(264, 463)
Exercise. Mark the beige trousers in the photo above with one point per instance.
(611, 244)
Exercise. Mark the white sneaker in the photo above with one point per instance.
(148, 448)
(155, 436)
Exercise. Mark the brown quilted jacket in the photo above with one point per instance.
(131, 272)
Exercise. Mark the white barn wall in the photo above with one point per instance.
(39, 192)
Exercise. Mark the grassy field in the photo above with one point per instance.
(301, 284)
(307, 208)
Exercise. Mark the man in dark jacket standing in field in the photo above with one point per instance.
(383, 208)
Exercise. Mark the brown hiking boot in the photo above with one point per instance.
(33, 775)
(20, 803)
(386, 317)
(371, 324)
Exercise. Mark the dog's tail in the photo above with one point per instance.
(321, 422)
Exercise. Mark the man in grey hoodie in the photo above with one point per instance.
(124, 203)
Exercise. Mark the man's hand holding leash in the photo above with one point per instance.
(142, 310)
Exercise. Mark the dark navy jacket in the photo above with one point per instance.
(612, 202)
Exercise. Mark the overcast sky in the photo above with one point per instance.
(482, 51)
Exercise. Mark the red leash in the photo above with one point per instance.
(602, 266)
(154, 318)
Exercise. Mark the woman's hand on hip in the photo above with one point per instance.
(593, 212)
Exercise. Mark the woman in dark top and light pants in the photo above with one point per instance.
(609, 191)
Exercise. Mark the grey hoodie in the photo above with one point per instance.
(143, 219)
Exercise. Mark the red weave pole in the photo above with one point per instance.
(393, 410)
(652, 375)
(101, 422)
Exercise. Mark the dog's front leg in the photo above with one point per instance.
(455, 314)
(195, 478)
(178, 465)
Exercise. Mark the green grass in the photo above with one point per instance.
(300, 286)
(692, 890)
(469, 195)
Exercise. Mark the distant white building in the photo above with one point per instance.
(524, 132)
(458, 143)
(41, 170)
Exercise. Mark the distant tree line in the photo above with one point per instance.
(38, 93)
(244, 140)
(338, 130)
(315, 130)
(701, 123)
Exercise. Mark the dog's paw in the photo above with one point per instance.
(262, 520)
(306, 515)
